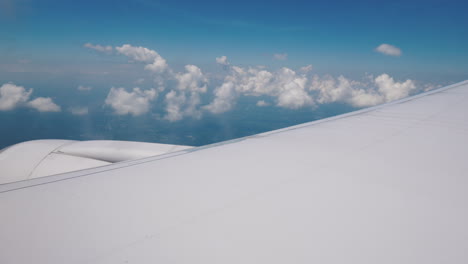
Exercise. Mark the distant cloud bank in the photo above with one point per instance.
(84, 88)
(286, 88)
(79, 110)
(280, 56)
(13, 96)
(106, 49)
(262, 103)
(389, 50)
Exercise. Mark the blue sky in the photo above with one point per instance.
(43, 48)
(335, 36)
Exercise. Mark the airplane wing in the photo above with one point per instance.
(387, 184)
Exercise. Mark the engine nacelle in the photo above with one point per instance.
(39, 158)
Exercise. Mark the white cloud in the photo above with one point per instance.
(377, 90)
(364, 98)
(192, 80)
(184, 98)
(136, 102)
(12, 96)
(184, 101)
(280, 56)
(393, 90)
(224, 100)
(331, 89)
(138, 53)
(44, 104)
(159, 65)
(79, 110)
(84, 88)
(238, 82)
(291, 90)
(222, 60)
(344, 90)
(174, 102)
(156, 63)
(285, 86)
(105, 49)
(294, 97)
(388, 49)
(306, 69)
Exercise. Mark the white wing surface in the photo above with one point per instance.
(40, 158)
(382, 185)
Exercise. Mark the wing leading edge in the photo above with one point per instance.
(382, 185)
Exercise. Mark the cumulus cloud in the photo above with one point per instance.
(84, 88)
(286, 86)
(392, 90)
(306, 69)
(12, 96)
(291, 90)
(182, 100)
(388, 49)
(262, 103)
(192, 80)
(155, 63)
(332, 90)
(222, 60)
(138, 53)
(105, 49)
(44, 104)
(135, 102)
(185, 99)
(378, 90)
(225, 96)
(280, 56)
(174, 104)
(79, 110)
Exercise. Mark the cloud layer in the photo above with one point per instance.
(181, 92)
